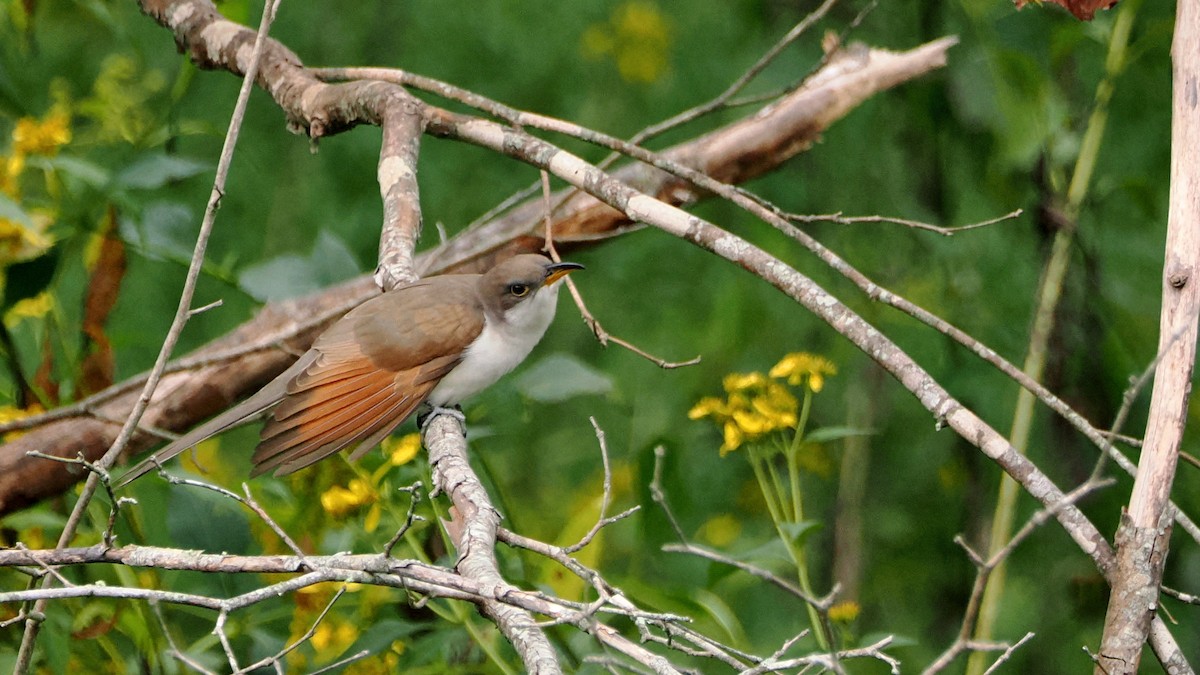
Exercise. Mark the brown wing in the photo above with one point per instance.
(374, 367)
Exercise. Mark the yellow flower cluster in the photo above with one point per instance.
(844, 612)
(755, 404)
(331, 636)
(29, 308)
(637, 37)
(10, 170)
(340, 502)
(32, 136)
(403, 450)
(804, 368)
(42, 137)
(26, 237)
(20, 242)
(10, 413)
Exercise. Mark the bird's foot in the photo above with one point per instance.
(426, 413)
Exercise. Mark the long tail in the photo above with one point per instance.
(259, 403)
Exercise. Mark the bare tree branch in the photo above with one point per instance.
(945, 408)
(182, 313)
(474, 534)
(402, 129)
(1143, 537)
(262, 348)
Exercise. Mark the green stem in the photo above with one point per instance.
(781, 493)
(793, 456)
(764, 486)
(772, 491)
(1048, 299)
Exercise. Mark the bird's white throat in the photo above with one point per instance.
(498, 349)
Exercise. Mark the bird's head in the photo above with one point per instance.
(522, 278)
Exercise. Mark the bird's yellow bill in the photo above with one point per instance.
(560, 270)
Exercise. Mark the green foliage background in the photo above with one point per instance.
(994, 131)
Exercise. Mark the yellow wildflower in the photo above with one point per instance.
(332, 637)
(733, 438)
(802, 367)
(44, 137)
(844, 612)
(721, 531)
(709, 406)
(402, 450)
(755, 407)
(637, 37)
(10, 413)
(10, 171)
(735, 382)
(30, 308)
(341, 501)
(378, 664)
(777, 404)
(19, 242)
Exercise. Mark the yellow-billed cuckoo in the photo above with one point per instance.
(438, 340)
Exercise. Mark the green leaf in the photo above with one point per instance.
(771, 556)
(23, 520)
(379, 636)
(799, 532)
(199, 519)
(826, 434)
(166, 231)
(91, 174)
(292, 274)
(13, 211)
(154, 171)
(560, 377)
(720, 612)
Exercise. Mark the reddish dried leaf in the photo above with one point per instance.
(1083, 10)
(99, 365)
(43, 380)
(97, 628)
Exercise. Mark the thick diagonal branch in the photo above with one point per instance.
(264, 346)
(945, 408)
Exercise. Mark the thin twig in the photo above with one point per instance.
(254, 506)
(984, 567)
(605, 501)
(1180, 595)
(175, 650)
(182, 312)
(593, 324)
(720, 100)
(660, 496)
(308, 635)
(1008, 654)
(915, 224)
(822, 604)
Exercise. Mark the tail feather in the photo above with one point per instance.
(261, 402)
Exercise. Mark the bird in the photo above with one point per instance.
(438, 340)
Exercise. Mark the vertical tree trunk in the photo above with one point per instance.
(1145, 529)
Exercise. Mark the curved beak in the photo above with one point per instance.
(556, 271)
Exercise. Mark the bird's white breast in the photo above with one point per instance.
(498, 349)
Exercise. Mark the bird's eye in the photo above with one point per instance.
(518, 290)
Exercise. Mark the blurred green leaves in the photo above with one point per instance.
(990, 133)
(291, 275)
(560, 377)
